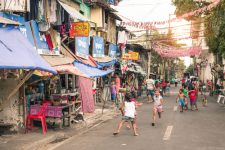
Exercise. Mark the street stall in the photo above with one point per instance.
(18, 60)
(61, 91)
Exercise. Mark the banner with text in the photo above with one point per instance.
(98, 46)
(82, 46)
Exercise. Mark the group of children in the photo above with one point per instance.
(129, 112)
(185, 96)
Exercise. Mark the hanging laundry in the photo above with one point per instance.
(55, 36)
(44, 26)
(49, 41)
(53, 11)
(87, 99)
(122, 37)
(40, 16)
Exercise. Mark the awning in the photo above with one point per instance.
(64, 64)
(16, 52)
(136, 68)
(58, 60)
(91, 71)
(71, 69)
(105, 61)
(73, 12)
(8, 21)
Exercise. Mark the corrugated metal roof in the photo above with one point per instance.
(73, 12)
(8, 21)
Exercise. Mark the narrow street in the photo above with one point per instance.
(202, 130)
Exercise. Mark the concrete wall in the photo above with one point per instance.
(96, 16)
(10, 110)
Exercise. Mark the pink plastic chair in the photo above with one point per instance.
(41, 115)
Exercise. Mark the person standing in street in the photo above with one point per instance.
(193, 97)
(129, 114)
(150, 88)
(157, 107)
(117, 82)
(164, 87)
(180, 99)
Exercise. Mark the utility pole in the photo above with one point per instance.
(149, 53)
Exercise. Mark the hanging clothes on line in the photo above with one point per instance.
(49, 41)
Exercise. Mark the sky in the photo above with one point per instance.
(155, 10)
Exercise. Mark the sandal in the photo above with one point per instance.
(115, 133)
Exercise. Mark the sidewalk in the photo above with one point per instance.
(36, 140)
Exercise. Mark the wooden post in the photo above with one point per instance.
(23, 80)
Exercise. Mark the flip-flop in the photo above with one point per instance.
(115, 133)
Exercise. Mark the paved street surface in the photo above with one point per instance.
(202, 130)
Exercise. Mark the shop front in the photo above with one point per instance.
(18, 61)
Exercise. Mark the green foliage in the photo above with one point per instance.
(190, 69)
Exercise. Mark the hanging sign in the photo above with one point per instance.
(15, 5)
(134, 55)
(98, 46)
(79, 29)
(126, 56)
(112, 50)
(82, 46)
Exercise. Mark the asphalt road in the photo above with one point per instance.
(198, 130)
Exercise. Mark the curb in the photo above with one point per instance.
(70, 138)
(45, 142)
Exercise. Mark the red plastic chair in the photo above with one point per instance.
(41, 115)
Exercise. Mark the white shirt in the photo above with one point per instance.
(129, 109)
(150, 84)
(157, 100)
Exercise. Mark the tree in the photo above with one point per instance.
(190, 69)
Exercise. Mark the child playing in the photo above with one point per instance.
(186, 98)
(204, 100)
(193, 95)
(129, 114)
(180, 99)
(158, 101)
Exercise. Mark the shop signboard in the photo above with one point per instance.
(82, 46)
(126, 56)
(131, 56)
(79, 29)
(134, 55)
(15, 5)
(112, 50)
(98, 46)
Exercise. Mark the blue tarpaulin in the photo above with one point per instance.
(16, 52)
(91, 71)
(106, 64)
